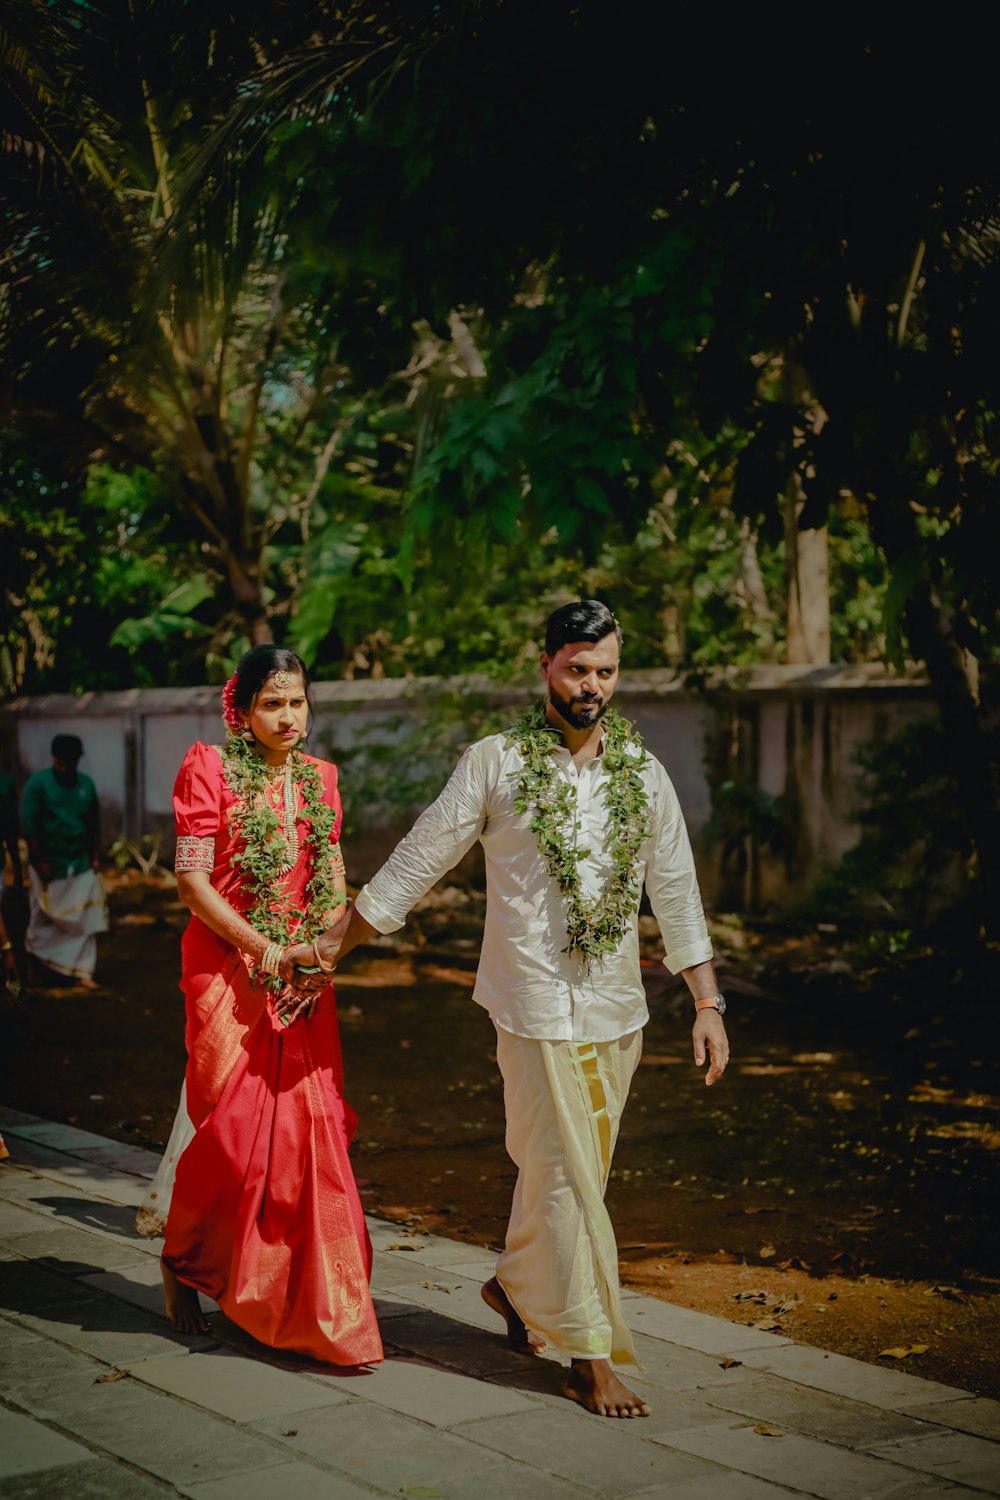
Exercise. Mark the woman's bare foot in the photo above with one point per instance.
(518, 1337)
(594, 1384)
(183, 1307)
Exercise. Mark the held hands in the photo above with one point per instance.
(711, 1042)
(302, 990)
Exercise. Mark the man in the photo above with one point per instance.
(574, 817)
(60, 818)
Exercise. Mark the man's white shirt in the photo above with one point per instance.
(527, 983)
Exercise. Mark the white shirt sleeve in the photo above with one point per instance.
(671, 881)
(441, 835)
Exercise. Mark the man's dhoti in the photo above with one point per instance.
(66, 915)
(559, 1267)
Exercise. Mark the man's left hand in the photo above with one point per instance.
(711, 1043)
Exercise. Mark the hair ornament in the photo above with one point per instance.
(230, 713)
(282, 681)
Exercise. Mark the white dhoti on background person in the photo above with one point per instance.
(66, 916)
(559, 1267)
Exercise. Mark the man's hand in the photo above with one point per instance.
(710, 1040)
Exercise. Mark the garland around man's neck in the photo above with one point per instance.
(595, 928)
(264, 858)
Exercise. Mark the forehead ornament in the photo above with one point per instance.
(282, 681)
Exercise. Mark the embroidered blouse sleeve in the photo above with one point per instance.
(441, 835)
(198, 808)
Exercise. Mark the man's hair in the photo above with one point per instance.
(66, 747)
(585, 620)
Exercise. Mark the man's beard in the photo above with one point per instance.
(578, 713)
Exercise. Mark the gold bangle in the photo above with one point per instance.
(326, 968)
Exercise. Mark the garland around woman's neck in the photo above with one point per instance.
(595, 928)
(265, 856)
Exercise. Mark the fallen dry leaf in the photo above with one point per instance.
(766, 1430)
(435, 1286)
(729, 1364)
(767, 1325)
(766, 1252)
(401, 1247)
(903, 1350)
(111, 1375)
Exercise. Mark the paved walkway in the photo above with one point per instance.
(100, 1398)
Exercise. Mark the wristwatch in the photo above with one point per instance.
(712, 1002)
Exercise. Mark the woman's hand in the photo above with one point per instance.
(302, 989)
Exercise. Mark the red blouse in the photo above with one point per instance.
(204, 809)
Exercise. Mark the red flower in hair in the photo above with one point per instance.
(231, 714)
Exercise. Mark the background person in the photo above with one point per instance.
(60, 818)
(256, 1190)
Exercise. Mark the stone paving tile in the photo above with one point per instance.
(233, 1386)
(610, 1456)
(818, 1414)
(954, 1455)
(97, 1479)
(723, 1485)
(391, 1271)
(27, 1445)
(396, 1454)
(289, 1481)
(151, 1430)
(56, 1166)
(59, 1137)
(141, 1284)
(803, 1464)
(391, 1306)
(14, 1219)
(674, 1369)
(461, 1300)
(461, 1346)
(35, 1369)
(81, 1143)
(440, 1397)
(105, 1327)
(61, 1200)
(450, 1253)
(977, 1415)
(73, 1252)
(695, 1330)
(849, 1377)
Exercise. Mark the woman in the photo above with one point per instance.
(264, 1215)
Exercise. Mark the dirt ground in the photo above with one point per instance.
(841, 1184)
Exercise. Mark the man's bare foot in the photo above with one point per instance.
(183, 1307)
(518, 1337)
(84, 982)
(594, 1384)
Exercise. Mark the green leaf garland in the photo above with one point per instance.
(595, 928)
(263, 858)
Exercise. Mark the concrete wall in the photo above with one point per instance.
(785, 733)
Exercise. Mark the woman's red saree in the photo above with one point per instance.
(265, 1215)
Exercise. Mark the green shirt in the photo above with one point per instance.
(62, 818)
